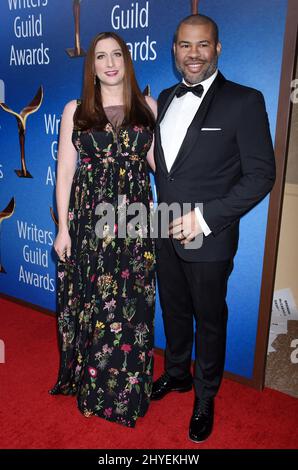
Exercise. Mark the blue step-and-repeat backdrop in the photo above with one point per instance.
(41, 70)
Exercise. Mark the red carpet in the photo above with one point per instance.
(30, 418)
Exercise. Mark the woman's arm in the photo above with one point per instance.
(67, 161)
(150, 155)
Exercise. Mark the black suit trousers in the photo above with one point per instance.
(191, 291)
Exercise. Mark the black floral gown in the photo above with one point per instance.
(106, 288)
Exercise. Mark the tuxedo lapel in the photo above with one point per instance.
(193, 132)
(160, 151)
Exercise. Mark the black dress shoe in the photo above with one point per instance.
(166, 384)
(201, 423)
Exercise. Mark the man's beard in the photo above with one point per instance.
(192, 78)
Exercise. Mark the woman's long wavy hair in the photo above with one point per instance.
(90, 114)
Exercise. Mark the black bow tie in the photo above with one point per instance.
(196, 90)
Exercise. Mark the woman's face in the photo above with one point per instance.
(109, 62)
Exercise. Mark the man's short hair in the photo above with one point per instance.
(197, 20)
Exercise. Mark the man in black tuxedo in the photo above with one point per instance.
(213, 146)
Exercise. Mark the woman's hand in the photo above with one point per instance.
(62, 244)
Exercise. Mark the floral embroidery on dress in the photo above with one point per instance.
(106, 288)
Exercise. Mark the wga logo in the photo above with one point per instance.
(2, 352)
(2, 91)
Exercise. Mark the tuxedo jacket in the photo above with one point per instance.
(229, 168)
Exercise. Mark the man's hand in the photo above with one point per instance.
(185, 228)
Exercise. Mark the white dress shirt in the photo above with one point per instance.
(174, 126)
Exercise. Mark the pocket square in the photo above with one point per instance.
(211, 129)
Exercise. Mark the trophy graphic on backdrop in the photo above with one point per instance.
(194, 7)
(77, 51)
(21, 120)
(6, 214)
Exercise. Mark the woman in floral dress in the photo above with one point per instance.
(106, 281)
